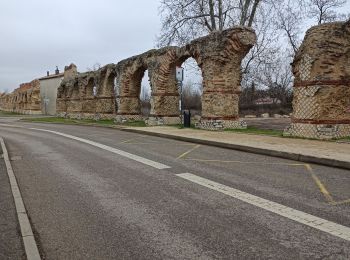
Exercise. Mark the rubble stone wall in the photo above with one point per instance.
(87, 95)
(25, 99)
(321, 103)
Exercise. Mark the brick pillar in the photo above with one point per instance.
(129, 108)
(105, 100)
(165, 95)
(321, 103)
(127, 98)
(219, 56)
(221, 90)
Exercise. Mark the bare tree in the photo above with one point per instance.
(289, 21)
(267, 65)
(324, 10)
(277, 79)
(183, 20)
(94, 67)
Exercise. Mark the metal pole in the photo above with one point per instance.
(181, 106)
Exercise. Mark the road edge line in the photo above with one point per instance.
(250, 149)
(30, 246)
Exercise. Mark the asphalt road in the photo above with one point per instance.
(88, 202)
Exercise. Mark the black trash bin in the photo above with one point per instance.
(187, 118)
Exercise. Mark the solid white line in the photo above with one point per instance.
(30, 246)
(290, 213)
(8, 125)
(134, 157)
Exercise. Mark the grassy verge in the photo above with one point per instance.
(345, 139)
(257, 131)
(60, 120)
(111, 123)
(4, 113)
(248, 130)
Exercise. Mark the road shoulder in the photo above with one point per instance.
(15, 206)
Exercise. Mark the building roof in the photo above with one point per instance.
(52, 76)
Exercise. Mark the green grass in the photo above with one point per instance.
(134, 123)
(181, 126)
(248, 130)
(60, 120)
(4, 113)
(257, 131)
(346, 139)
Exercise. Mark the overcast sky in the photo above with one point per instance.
(37, 35)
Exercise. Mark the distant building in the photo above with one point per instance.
(267, 101)
(48, 92)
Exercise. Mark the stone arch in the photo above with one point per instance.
(165, 95)
(109, 85)
(89, 87)
(72, 97)
(219, 55)
(130, 73)
(75, 92)
(105, 98)
(88, 100)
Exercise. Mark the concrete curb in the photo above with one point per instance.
(30, 246)
(251, 149)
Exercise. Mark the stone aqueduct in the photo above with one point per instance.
(321, 105)
(219, 56)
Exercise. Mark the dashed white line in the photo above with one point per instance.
(290, 213)
(134, 157)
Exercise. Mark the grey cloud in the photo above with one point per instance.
(37, 35)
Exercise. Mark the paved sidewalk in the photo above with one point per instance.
(312, 151)
(11, 246)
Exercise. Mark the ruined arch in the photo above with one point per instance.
(130, 73)
(105, 98)
(89, 88)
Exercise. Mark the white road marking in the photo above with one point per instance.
(290, 213)
(30, 246)
(7, 125)
(134, 157)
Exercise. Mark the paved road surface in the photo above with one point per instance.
(94, 201)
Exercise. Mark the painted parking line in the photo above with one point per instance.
(290, 213)
(131, 156)
(319, 184)
(188, 152)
